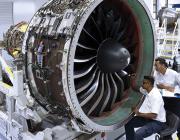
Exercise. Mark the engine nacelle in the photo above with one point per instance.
(80, 55)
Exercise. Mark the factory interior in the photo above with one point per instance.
(87, 69)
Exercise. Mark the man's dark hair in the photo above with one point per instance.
(162, 61)
(150, 79)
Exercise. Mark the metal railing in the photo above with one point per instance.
(167, 42)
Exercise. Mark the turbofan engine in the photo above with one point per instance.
(13, 38)
(80, 55)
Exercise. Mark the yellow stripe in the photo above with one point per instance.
(166, 50)
(8, 70)
(23, 28)
(164, 56)
(5, 85)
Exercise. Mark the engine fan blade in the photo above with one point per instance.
(82, 73)
(96, 41)
(108, 22)
(84, 84)
(120, 86)
(85, 47)
(100, 95)
(115, 28)
(115, 89)
(106, 94)
(85, 97)
(84, 60)
(121, 33)
(98, 29)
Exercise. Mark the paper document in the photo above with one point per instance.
(167, 93)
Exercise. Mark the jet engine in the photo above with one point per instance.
(13, 38)
(84, 58)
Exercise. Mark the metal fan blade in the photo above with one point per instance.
(100, 16)
(91, 36)
(84, 84)
(84, 60)
(115, 28)
(85, 47)
(115, 90)
(113, 93)
(119, 35)
(123, 73)
(98, 29)
(96, 111)
(109, 21)
(126, 78)
(119, 78)
(120, 86)
(124, 33)
(100, 96)
(90, 93)
(106, 94)
(79, 74)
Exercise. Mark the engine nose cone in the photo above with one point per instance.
(112, 56)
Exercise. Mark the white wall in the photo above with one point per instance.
(39, 3)
(6, 15)
(161, 3)
(174, 1)
(23, 10)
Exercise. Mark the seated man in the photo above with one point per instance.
(151, 116)
(169, 80)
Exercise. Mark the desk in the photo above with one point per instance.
(171, 103)
(169, 94)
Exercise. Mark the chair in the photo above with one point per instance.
(172, 122)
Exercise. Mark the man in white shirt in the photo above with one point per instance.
(151, 116)
(168, 79)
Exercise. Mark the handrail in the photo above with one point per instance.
(173, 42)
(173, 38)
